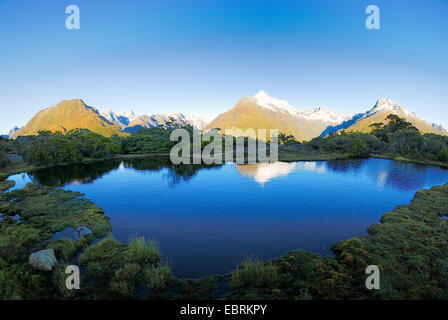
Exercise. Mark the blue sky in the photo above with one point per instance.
(201, 56)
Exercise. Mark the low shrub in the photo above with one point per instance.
(157, 277)
(64, 248)
(253, 272)
(103, 258)
(4, 160)
(142, 252)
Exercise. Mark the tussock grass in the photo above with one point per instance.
(103, 258)
(141, 251)
(64, 248)
(122, 289)
(254, 272)
(157, 277)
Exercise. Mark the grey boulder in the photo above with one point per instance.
(43, 260)
(83, 231)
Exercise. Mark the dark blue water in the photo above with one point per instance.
(207, 219)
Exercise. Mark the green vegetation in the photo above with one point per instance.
(64, 248)
(253, 271)
(286, 139)
(443, 155)
(42, 212)
(129, 272)
(410, 246)
(48, 149)
(143, 252)
(157, 277)
(397, 138)
(200, 289)
(118, 269)
(4, 160)
(152, 140)
(55, 148)
(4, 148)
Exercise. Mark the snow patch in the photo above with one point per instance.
(318, 113)
(264, 100)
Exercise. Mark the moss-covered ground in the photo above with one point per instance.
(42, 212)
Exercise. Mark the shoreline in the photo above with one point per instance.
(21, 167)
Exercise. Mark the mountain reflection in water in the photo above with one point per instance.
(398, 175)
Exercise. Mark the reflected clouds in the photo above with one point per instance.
(265, 172)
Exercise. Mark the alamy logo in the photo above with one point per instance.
(208, 147)
(73, 280)
(373, 281)
(373, 20)
(73, 20)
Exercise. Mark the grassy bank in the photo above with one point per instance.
(404, 159)
(310, 156)
(30, 217)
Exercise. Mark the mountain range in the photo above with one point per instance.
(263, 111)
(65, 116)
(130, 123)
(362, 121)
(260, 111)
(75, 114)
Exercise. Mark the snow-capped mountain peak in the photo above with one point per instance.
(130, 122)
(185, 118)
(196, 121)
(320, 113)
(266, 101)
(130, 115)
(378, 113)
(391, 106)
(323, 114)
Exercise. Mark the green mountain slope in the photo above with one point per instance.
(248, 115)
(385, 107)
(68, 115)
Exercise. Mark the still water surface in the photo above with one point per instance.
(208, 218)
